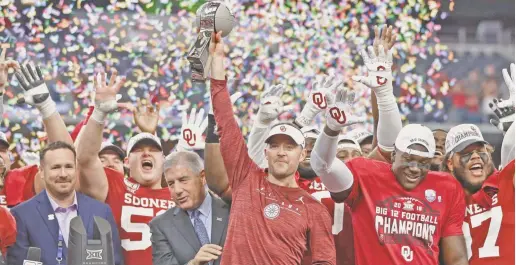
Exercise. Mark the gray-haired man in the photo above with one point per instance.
(194, 231)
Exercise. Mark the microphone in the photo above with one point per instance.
(84, 251)
(33, 257)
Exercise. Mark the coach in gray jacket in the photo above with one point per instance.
(194, 231)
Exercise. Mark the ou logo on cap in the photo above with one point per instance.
(282, 128)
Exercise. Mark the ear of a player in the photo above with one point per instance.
(303, 155)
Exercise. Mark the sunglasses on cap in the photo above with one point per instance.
(464, 158)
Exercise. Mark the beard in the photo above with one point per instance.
(306, 172)
(435, 167)
(460, 176)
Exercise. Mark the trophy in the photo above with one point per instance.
(211, 17)
(84, 251)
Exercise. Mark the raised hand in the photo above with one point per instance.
(338, 114)
(321, 96)
(379, 76)
(35, 91)
(509, 81)
(504, 114)
(192, 130)
(146, 116)
(216, 44)
(5, 65)
(106, 95)
(271, 105)
(387, 38)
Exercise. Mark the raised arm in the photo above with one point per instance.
(36, 94)
(237, 162)
(335, 175)
(91, 172)
(387, 39)
(5, 65)
(271, 106)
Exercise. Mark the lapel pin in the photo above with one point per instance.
(50, 217)
(219, 219)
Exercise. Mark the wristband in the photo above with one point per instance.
(98, 116)
(211, 134)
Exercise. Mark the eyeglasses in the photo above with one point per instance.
(464, 158)
(422, 166)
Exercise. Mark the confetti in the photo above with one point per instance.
(286, 42)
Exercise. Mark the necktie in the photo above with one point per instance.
(200, 229)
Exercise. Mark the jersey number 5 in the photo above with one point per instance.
(489, 249)
(129, 227)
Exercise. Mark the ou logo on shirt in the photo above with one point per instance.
(407, 253)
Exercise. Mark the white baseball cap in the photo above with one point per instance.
(416, 134)
(345, 141)
(108, 146)
(289, 130)
(359, 135)
(149, 138)
(310, 131)
(461, 136)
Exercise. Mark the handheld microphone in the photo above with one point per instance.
(33, 257)
(84, 251)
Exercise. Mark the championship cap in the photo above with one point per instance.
(143, 137)
(289, 130)
(416, 134)
(461, 136)
(3, 139)
(346, 141)
(108, 146)
(310, 132)
(360, 135)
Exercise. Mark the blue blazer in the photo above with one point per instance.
(35, 230)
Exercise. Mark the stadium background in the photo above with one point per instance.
(449, 57)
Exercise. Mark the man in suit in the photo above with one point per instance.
(194, 231)
(44, 220)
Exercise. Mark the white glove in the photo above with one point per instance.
(271, 106)
(338, 115)
(505, 115)
(509, 81)
(35, 91)
(30, 158)
(192, 130)
(233, 99)
(379, 76)
(321, 96)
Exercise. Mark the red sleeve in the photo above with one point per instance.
(7, 230)
(232, 145)
(79, 125)
(506, 183)
(322, 245)
(455, 217)
(15, 183)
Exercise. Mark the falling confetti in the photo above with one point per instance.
(288, 42)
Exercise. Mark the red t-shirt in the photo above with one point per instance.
(342, 227)
(17, 181)
(7, 230)
(133, 208)
(489, 223)
(268, 224)
(396, 226)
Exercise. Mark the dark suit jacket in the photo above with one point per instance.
(36, 230)
(174, 241)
